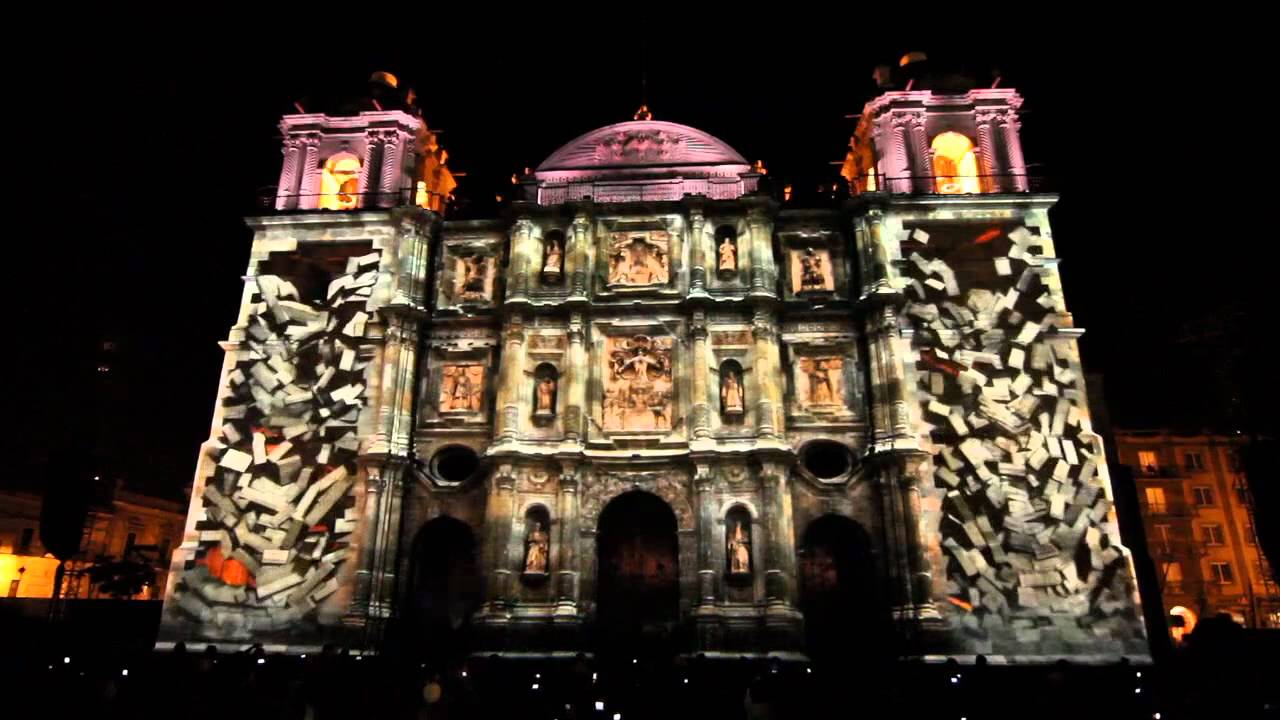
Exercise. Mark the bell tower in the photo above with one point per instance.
(291, 535)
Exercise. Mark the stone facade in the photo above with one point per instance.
(880, 400)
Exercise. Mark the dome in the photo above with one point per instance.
(643, 160)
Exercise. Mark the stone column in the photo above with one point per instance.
(767, 369)
(763, 272)
(1017, 169)
(567, 574)
(389, 187)
(987, 152)
(360, 609)
(698, 253)
(780, 540)
(580, 257)
(518, 267)
(908, 566)
(309, 187)
(701, 417)
(370, 169)
(921, 573)
(890, 395)
(707, 573)
(576, 377)
(287, 190)
(497, 526)
(900, 180)
(922, 167)
(510, 378)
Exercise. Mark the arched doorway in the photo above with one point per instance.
(445, 588)
(637, 573)
(845, 617)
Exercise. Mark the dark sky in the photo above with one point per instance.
(158, 148)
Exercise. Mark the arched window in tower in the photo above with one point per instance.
(732, 395)
(737, 534)
(955, 164)
(340, 182)
(553, 257)
(545, 387)
(537, 541)
(726, 251)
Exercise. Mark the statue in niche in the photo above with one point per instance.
(553, 263)
(728, 257)
(812, 276)
(638, 386)
(461, 388)
(639, 259)
(536, 550)
(731, 393)
(823, 381)
(739, 550)
(545, 396)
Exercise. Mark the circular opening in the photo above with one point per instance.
(826, 459)
(455, 463)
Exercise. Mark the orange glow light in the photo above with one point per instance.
(955, 164)
(340, 182)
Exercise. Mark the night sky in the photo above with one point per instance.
(158, 148)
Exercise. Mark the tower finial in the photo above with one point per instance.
(643, 113)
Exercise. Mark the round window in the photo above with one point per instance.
(826, 459)
(455, 463)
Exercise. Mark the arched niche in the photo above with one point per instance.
(546, 392)
(553, 257)
(535, 564)
(727, 258)
(733, 393)
(955, 164)
(739, 543)
(340, 182)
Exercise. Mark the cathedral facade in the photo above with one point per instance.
(653, 399)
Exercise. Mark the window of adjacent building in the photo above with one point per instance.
(1213, 534)
(1148, 461)
(24, 545)
(1164, 537)
(955, 165)
(1221, 573)
(1249, 533)
(1202, 495)
(1193, 460)
(1172, 572)
(1155, 499)
(1242, 492)
(340, 182)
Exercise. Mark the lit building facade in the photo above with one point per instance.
(649, 399)
(114, 525)
(1199, 523)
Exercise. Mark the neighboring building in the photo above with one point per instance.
(1198, 515)
(116, 522)
(652, 400)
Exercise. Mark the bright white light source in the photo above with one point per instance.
(955, 680)
(808, 670)
(1137, 691)
(464, 672)
(634, 660)
(66, 661)
(1138, 674)
(535, 686)
(600, 705)
(537, 676)
(125, 672)
(262, 661)
(617, 716)
(304, 657)
(593, 677)
(1156, 716)
(686, 681)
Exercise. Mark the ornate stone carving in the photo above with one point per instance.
(740, 338)
(639, 146)
(544, 405)
(670, 486)
(473, 278)
(461, 388)
(812, 269)
(553, 262)
(639, 258)
(638, 387)
(819, 381)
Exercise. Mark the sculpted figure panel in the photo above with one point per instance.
(461, 388)
(637, 387)
(640, 258)
(472, 278)
(811, 270)
(819, 381)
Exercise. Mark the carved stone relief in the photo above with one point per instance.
(461, 388)
(811, 270)
(638, 259)
(819, 382)
(473, 278)
(670, 486)
(638, 384)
